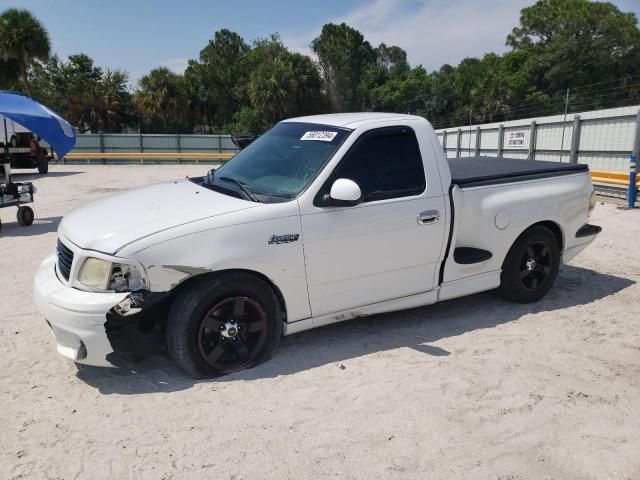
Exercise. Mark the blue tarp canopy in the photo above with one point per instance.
(54, 129)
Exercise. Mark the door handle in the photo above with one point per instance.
(429, 217)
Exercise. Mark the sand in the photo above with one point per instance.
(471, 388)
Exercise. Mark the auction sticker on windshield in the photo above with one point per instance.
(322, 136)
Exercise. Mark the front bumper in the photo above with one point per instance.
(77, 318)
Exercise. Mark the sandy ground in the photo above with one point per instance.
(471, 388)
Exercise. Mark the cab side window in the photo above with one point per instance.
(386, 164)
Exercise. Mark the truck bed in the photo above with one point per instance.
(481, 171)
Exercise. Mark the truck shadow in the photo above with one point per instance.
(414, 328)
(26, 177)
(39, 226)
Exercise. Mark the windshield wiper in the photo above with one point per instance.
(249, 195)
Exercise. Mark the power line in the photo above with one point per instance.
(607, 98)
(530, 106)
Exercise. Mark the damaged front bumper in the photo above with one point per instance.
(77, 318)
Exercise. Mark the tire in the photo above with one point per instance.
(25, 216)
(531, 266)
(43, 165)
(200, 328)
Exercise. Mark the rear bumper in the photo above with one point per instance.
(76, 318)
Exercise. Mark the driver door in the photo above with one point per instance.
(377, 250)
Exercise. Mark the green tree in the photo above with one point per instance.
(345, 57)
(406, 93)
(281, 83)
(270, 86)
(68, 87)
(87, 96)
(162, 100)
(23, 39)
(215, 78)
(391, 62)
(573, 42)
(112, 107)
(248, 120)
(307, 97)
(9, 74)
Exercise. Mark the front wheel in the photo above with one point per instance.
(221, 325)
(531, 266)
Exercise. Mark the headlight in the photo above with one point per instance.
(126, 277)
(103, 275)
(95, 273)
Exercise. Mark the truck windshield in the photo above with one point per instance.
(283, 161)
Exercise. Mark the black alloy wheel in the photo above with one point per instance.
(535, 265)
(218, 325)
(232, 333)
(531, 266)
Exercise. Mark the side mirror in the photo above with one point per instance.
(345, 193)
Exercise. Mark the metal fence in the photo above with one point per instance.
(603, 139)
(112, 143)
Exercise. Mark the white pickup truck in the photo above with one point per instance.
(320, 220)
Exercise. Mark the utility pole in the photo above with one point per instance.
(564, 123)
(469, 146)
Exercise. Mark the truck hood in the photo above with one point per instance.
(108, 224)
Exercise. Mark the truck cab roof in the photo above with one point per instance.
(354, 120)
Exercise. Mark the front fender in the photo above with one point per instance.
(241, 246)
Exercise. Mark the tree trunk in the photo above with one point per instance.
(25, 79)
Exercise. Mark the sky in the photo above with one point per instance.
(138, 35)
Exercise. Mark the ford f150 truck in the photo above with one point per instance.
(319, 220)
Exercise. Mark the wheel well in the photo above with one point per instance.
(218, 273)
(555, 229)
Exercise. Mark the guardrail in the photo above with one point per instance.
(103, 156)
(615, 178)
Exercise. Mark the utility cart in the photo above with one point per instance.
(17, 194)
(14, 194)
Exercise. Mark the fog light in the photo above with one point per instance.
(82, 351)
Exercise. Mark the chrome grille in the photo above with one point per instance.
(65, 259)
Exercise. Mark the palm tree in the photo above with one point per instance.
(161, 97)
(269, 87)
(23, 39)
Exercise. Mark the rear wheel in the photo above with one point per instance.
(25, 216)
(531, 266)
(221, 325)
